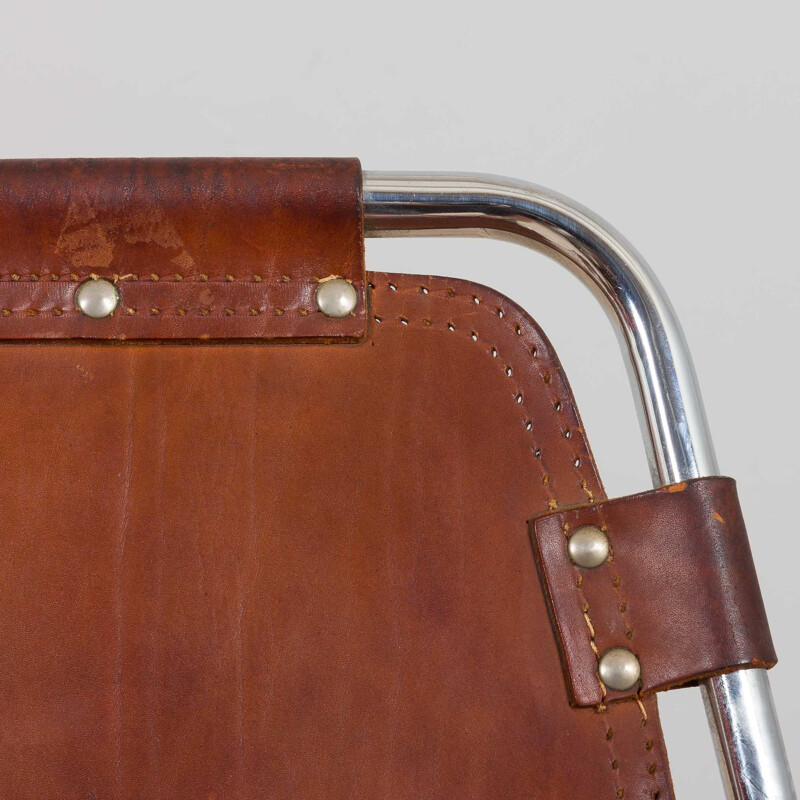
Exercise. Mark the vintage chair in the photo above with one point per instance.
(276, 527)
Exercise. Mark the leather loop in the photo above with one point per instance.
(679, 589)
(198, 248)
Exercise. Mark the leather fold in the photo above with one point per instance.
(197, 248)
(679, 589)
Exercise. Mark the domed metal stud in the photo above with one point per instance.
(588, 547)
(619, 669)
(97, 298)
(336, 297)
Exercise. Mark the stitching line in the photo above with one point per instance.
(175, 277)
(601, 708)
(546, 378)
(180, 311)
(531, 347)
(531, 350)
(622, 607)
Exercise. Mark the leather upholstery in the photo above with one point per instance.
(198, 248)
(239, 570)
(298, 572)
(679, 588)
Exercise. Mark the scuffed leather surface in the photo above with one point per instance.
(679, 589)
(298, 571)
(198, 248)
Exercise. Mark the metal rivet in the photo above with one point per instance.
(619, 669)
(336, 297)
(588, 547)
(97, 298)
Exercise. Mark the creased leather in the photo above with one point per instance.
(304, 571)
(198, 248)
(679, 589)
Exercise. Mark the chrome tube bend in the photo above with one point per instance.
(674, 427)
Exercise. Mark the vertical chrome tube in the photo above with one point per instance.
(675, 431)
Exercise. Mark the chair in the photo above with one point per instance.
(276, 526)
(740, 707)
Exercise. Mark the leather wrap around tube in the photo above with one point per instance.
(679, 589)
(198, 248)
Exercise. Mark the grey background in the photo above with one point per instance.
(679, 123)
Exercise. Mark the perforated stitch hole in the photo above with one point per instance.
(403, 321)
(423, 289)
(557, 406)
(516, 328)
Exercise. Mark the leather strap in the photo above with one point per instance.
(679, 589)
(198, 248)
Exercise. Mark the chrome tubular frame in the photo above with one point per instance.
(739, 706)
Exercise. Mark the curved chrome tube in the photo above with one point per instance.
(740, 708)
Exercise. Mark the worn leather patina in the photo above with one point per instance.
(197, 248)
(291, 560)
(679, 588)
